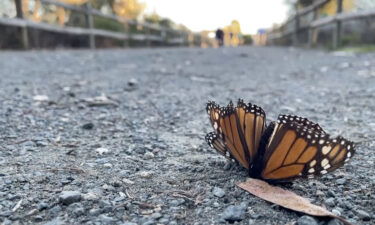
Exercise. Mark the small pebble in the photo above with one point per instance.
(330, 202)
(41, 98)
(88, 126)
(335, 222)
(42, 205)
(145, 174)
(306, 220)
(234, 213)
(90, 196)
(69, 197)
(218, 192)
(102, 151)
(336, 211)
(129, 223)
(156, 215)
(132, 82)
(363, 215)
(148, 155)
(55, 221)
(341, 181)
(107, 219)
(127, 181)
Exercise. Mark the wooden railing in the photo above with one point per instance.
(293, 27)
(160, 35)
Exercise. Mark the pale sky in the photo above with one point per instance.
(200, 15)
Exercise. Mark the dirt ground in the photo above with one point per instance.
(117, 136)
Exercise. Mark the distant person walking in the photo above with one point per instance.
(220, 36)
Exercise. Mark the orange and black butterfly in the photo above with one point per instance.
(290, 148)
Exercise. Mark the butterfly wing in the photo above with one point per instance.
(295, 150)
(300, 121)
(238, 128)
(214, 141)
(252, 120)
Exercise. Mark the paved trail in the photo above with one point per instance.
(124, 130)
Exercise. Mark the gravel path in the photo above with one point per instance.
(117, 136)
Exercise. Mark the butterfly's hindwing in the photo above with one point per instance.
(296, 151)
(214, 141)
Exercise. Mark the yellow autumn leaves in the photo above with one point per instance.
(34, 10)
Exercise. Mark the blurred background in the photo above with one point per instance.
(331, 24)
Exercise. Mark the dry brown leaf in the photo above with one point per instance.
(284, 198)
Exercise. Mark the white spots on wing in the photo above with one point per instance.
(324, 162)
(216, 115)
(215, 125)
(323, 171)
(313, 141)
(326, 150)
(208, 112)
(349, 154)
(312, 163)
(342, 142)
(327, 166)
(311, 170)
(321, 141)
(349, 146)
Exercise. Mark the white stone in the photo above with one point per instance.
(102, 151)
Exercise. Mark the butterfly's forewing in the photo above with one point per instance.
(240, 129)
(295, 151)
(252, 120)
(300, 121)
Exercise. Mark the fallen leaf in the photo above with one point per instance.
(284, 198)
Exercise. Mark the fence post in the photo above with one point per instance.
(337, 30)
(147, 33)
(296, 27)
(24, 31)
(90, 25)
(183, 37)
(127, 32)
(163, 34)
(312, 30)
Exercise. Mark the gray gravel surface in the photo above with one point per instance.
(117, 136)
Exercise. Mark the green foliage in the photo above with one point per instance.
(351, 39)
(165, 22)
(247, 39)
(108, 24)
(359, 49)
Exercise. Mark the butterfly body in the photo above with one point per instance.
(290, 148)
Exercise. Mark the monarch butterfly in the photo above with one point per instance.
(289, 148)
